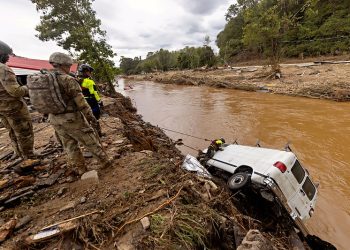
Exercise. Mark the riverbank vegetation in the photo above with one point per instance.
(274, 29)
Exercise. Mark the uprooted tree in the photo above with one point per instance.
(74, 26)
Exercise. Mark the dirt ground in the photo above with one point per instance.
(320, 79)
(181, 210)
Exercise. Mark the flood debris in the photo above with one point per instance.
(16, 199)
(23, 221)
(255, 240)
(144, 200)
(46, 182)
(53, 231)
(68, 206)
(294, 79)
(192, 164)
(7, 229)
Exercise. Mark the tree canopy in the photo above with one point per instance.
(164, 60)
(289, 28)
(74, 26)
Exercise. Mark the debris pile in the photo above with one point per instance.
(145, 200)
(323, 80)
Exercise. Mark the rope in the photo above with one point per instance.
(181, 133)
(196, 149)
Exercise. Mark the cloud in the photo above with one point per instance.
(202, 7)
(134, 28)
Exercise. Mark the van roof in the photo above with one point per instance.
(261, 159)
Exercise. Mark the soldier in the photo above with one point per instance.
(73, 125)
(14, 112)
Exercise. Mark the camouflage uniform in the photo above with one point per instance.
(73, 127)
(14, 113)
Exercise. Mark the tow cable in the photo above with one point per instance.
(181, 133)
(179, 142)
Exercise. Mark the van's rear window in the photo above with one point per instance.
(298, 171)
(309, 188)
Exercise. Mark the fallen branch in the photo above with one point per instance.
(152, 212)
(64, 221)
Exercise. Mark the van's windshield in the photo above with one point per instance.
(309, 188)
(298, 171)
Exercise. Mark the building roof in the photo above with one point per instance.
(25, 66)
(24, 72)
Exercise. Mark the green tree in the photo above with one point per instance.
(74, 26)
(130, 66)
(164, 59)
(184, 60)
(206, 56)
(286, 28)
(263, 31)
(230, 39)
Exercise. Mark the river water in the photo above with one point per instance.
(319, 132)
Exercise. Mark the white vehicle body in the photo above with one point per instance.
(293, 187)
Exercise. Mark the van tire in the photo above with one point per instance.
(238, 180)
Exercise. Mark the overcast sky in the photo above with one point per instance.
(134, 27)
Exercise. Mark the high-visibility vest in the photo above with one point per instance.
(89, 89)
(219, 142)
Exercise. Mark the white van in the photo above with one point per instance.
(275, 173)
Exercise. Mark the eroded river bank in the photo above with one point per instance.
(318, 130)
(326, 80)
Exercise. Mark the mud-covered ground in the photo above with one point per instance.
(184, 211)
(326, 80)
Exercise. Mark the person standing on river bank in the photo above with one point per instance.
(68, 111)
(14, 113)
(90, 92)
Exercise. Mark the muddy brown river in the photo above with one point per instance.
(319, 132)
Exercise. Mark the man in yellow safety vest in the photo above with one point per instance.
(90, 92)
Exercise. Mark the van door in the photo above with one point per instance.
(296, 178)
(309, 191)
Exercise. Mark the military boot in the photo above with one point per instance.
(106, 163)
(80, 170)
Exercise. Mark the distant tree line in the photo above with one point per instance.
(164, 60)
(289, 28)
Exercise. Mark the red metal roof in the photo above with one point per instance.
(34, 64)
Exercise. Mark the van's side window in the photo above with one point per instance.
(298, 171)
(309, 188)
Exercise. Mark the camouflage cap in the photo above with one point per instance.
(5, 49)
(61, 59)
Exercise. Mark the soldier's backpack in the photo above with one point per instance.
(45, 94)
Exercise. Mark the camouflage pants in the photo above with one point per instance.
(72, 129)
(19, 124)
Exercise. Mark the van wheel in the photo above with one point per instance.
(238, 180)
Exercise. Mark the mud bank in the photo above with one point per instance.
(313, 80)
(145, 200)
